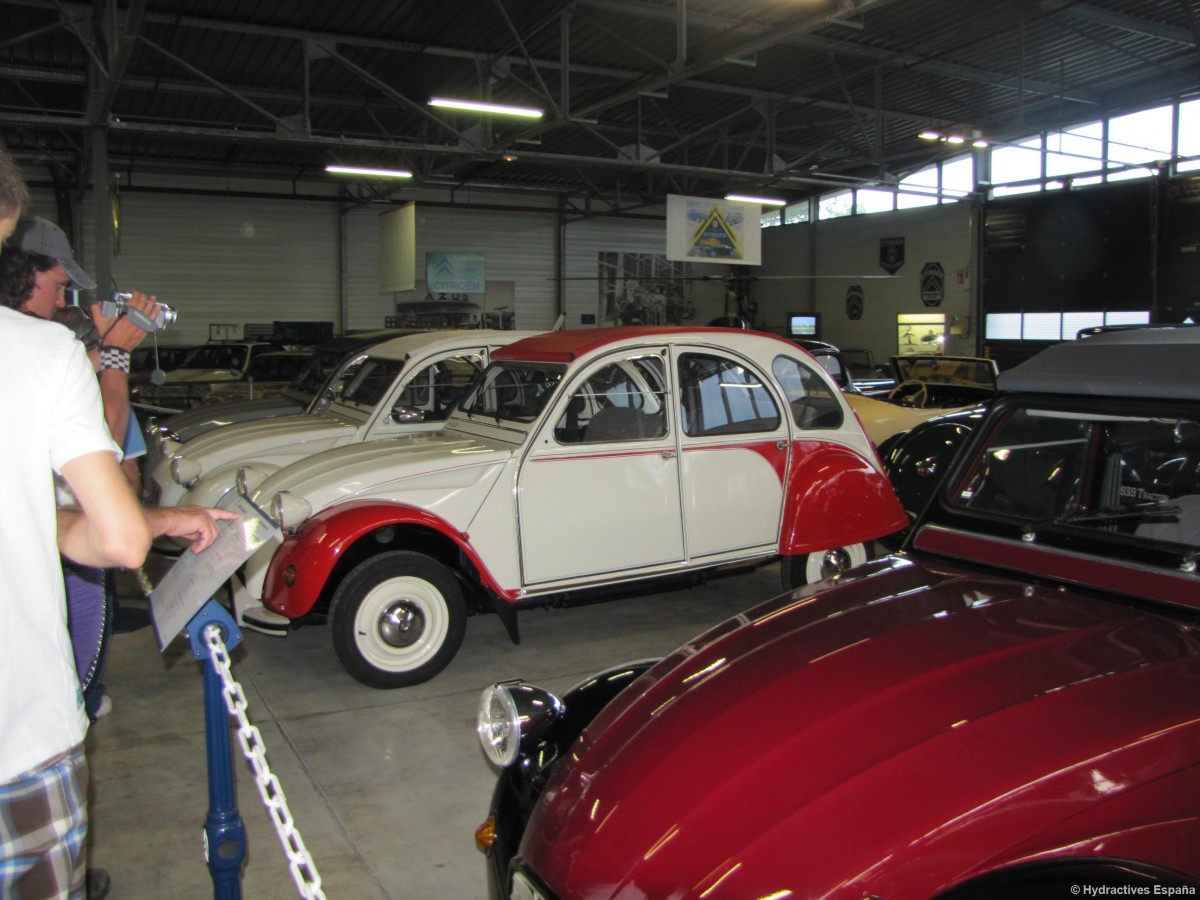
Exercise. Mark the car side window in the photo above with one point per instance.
(721, 396)
(620, 401)
(439, 386)
(810, 399)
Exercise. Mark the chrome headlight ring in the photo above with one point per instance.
(184, 471)
(511, 714)
(289, 510)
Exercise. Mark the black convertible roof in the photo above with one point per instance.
(1157, 361)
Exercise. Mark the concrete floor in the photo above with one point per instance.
(385, 787)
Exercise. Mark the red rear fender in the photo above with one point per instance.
(836, 498)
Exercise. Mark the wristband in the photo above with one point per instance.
(114, 358)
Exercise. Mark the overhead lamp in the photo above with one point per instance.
(929, 134)
(374, 173)
(498, 109)
(765, 201)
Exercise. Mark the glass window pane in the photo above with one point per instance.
(796, 213)
(1020, 163)
(771, 219)
(906, 200)
(1075, 322)
(1002, 327)
(812, 401)
(1127, 317)
(720, 396)
(1189, 128)
(1078, 150)
(1140, 137)
(958, 176)
(835, 206)
(1042, 327)
(873, 201)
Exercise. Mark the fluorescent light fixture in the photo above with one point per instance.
(930, 135)
(765, 201)
(499, 109)
(374, 173)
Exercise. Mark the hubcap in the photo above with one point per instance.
(401, 624)
(834, 561)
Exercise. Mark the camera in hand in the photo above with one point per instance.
(118, 305)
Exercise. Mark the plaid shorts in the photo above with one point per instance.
(43, 824)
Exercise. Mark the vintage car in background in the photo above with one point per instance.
(580, 460)
(925, 386)
(399, 386)
(151, 356)
(208, 363)
(1007, 708)
(311, 381)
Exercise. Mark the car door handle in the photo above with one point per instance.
(668, 454)
(781, 445)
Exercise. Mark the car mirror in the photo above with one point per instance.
(407, 415)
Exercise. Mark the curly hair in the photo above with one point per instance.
(19, 270)
(14, 195)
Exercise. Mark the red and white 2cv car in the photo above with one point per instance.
(578, 460)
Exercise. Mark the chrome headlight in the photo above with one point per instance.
(185, 471)
(511, 713)
(249, 478)
(290, 511)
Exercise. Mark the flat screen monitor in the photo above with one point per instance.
(803, 325)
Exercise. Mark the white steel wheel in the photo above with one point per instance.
(397, 619)
(809, 568)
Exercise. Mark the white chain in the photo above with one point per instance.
(304, 870)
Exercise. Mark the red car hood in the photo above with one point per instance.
(891, 736)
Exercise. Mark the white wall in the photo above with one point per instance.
(851, 247)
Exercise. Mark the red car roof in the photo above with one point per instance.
(566, 346)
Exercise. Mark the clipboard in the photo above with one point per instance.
(196, 577)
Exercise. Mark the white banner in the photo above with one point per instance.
(703, 230)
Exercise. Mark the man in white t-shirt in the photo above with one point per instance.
(49, 389)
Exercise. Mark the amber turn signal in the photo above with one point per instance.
(485, 834)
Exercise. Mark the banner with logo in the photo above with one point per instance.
(454, 273)
(703, 230)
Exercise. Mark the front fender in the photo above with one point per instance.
(213, 485)
(302, 565)
(835, 498)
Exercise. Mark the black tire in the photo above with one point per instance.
(397, 619)
(807, 568)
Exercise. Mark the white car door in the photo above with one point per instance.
(734, 449)
(598, 491)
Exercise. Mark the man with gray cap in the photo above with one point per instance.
(36, 273)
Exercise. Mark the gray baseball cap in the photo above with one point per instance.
(38, 235)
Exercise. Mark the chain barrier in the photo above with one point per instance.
(304, 870)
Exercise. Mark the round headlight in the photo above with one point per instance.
(290, 511)
(248, 480)
(185, 471)
(499, 725)
(513, 712)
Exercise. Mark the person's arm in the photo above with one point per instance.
(121, 334)
(108, 529)
(197, 524)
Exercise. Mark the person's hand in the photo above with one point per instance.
(197, 524)
(121, 331)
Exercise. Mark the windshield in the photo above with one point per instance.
(512, 391)
(947, 370)
(365, 382)
(218, 356)
(1122, 476)
(315, 373)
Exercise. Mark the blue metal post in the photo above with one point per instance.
(224, 831)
